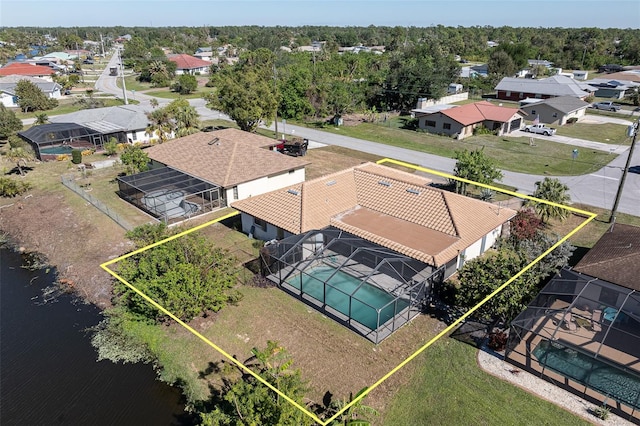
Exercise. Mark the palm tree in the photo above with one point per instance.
(41, 118)
(20, 156)
(556, 192)
(160, 124)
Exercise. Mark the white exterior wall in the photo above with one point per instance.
(7, 100)
(265, 184)
(140, 136)
(478, 248)
(424, 102)
(268, 234)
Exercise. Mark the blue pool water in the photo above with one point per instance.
(604, 378)
(56, 150)
(365, 303)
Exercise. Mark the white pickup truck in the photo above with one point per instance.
(540, 129)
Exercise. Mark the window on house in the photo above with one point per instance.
(555, 115)
(533, 111)
(508, 94)
(235, 192)
(521, 95)
(259, 223)
(538, 96)
(134, 136)
(430, 123)
(446, 126)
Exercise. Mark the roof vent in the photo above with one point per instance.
(331, 182)
(384, 183)
(292, 191)
(413, 191)
(215, 141)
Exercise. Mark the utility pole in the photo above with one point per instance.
(124, 87)
(633, 130)
(275, 89)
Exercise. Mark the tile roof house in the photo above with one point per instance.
(556, 110)
(8, 85)
(26, 69)
(515, 89)
(187, 64)
(127, 123)
(394, 209)
(462, 120)
(239, 162)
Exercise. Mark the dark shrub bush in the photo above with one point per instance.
(76, 156)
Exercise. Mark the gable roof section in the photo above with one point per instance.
(392, 208)
(478, 112)
(8, 84)
(615, 257)
(553, 86)
(115, 118)
(188, 62)
(564, 104)
(21, 68)
(225, 157)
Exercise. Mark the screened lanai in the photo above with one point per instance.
(50, 140)
(584, 334)
(170, 195)
(369, 288)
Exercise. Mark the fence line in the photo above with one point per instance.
(70, 183)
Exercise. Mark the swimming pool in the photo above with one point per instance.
(365, 302)
(602, 377)
(56, 150)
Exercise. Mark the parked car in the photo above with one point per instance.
(606, 106)
(540, 129)
(610, 68)
(88, 61)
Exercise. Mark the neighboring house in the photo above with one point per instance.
(582, 331)
(629, 75)
(474, 71)
(388, 207)
(204, 49)
(462, 120)
(27, 70)
(187, 64)
(615, 89)
(60, 57)
(556, 110)
(205, 56)
(127, 123)
(8, 85)
(516, 89)
(239, 162)
(79, 53)
(580, 75)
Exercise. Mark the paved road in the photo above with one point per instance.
(595, 189)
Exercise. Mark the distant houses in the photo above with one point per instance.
(516, 89)
(8, 85)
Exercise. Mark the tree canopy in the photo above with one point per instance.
(551, 189)
(31, 98)
(135, 159)
(9, 122)
(476, 166)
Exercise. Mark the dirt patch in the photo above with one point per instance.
(72, 234)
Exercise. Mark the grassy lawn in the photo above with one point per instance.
(602, 132)
(132, 83)
(450, 389)
(169, 94)
(510, 153)
(66, 106)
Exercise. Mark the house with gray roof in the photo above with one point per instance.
(8, 85)
(608, 88)
(127, 123)
(516, 89)
(556, 110)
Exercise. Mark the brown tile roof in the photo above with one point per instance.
(235, 157)
(615, 257)
(188, 62)
(19, 68)
(479, 111)
(389, 207)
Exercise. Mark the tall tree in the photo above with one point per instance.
(31, 98)
(551, 189)
(476, 166)
(135, 159)
(246, 91)
(9, 122)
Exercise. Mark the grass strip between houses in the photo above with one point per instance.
(588, 218)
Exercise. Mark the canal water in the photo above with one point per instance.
(48, 369)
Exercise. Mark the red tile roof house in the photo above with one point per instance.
(187, 64)
(368, 246)
(461, 121)
(26, 69)
(237, 161)
(394, 209)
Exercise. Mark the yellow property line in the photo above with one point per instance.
(105, 266)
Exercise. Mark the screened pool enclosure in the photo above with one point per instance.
(366, 287)
(583, 334)
(170, 195)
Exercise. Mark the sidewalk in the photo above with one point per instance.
(600, 146)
